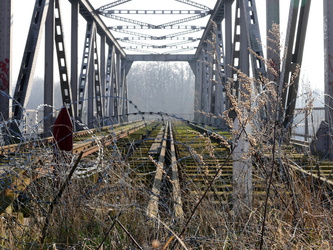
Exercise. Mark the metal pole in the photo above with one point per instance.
(328, 52)
(74, 55)
(273, 50)
(5, 57)
(48, 74)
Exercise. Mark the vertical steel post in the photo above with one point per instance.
(108, 82)
(205, 75)
(209, 83)
(200, 68)
(90, 88)
(48, 73)
(29, 59)
(219, 74)
(5, 57)
(242, 164)
(228, 46)
(273, 47)
(244, 64)
(242, 170)
(118, 87)
(74, 55)
(195, 68)
(102, 71)
(85, 66)
(328, 57)
(295, 39)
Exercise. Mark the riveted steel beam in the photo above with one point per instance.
(295, 39)
(29, 59)
(5, 58)
(89, 14)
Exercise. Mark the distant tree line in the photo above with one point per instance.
(162, 86)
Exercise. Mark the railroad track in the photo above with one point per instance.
(173, 162)
(21, 164)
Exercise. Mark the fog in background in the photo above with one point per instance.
(161, 86)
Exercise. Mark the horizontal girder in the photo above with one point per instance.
(160, 57)
(179, 27)
(152, 12)
(132, 38)
(164, 37)
(113, 4)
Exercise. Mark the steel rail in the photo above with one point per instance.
(16, 181)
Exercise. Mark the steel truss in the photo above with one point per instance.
(92, 79)
(236, 54)
(216, 54)
(200, 12)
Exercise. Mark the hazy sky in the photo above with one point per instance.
(312, 68)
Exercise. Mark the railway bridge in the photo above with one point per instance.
(216, 40)
(233, 163)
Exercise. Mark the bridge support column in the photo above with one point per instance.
(219, 76)
(242, 171)
(197, 69)
(48, 74)
(91, 81)
(210, 94)
(324, 144)
(273, 51)
(5, 58)
(74, 56)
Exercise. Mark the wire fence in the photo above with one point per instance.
(103, 204)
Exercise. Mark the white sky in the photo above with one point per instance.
(313, 59)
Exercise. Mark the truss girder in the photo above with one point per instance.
(133, 38)
(123, 91)
(240, 53)
(115, 14)
(89, 14)
(116, 88)
(183, 20)
(151, 12)
(5, 58)
(273, 47)
(142, 51)
(47, 13)
(29, 57)
(191, 3)
(252, 25)
(295, 39)
(129, 20)
(129, 27)
(113, 4)
(182, 33)
(61, 56)
(86, 59)
(161, 26)
(328, 52)
(219, 76)
(108, 75)
(216, 17)
(246, 37)
(326, 142)
(171, 45)
(181, 49)
(97, 83)
(162, 57)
